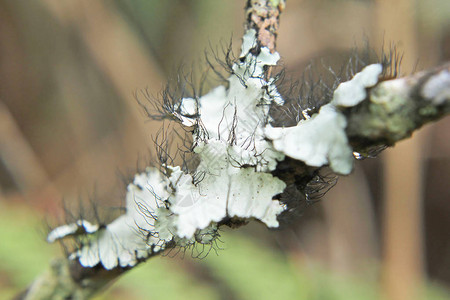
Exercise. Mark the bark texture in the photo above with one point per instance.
(67, 279)
(264, 17)
(396, 108)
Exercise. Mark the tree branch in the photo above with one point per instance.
(67, 279)
(263, 16)
(395, 108)
(391, 112)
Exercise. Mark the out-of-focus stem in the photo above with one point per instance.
(402, 267)
(264, 17)
(67, 279)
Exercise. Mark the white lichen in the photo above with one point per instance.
(233, 121)
(318, 141)
(237, 151)
(234, 160)
(438, 88)
(225, 191)
(129, 238)
(248, 42)
(352, 92)
(79, 227)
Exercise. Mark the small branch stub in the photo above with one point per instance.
(263, 17)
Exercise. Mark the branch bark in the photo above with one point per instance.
(264, 17)
(67, 279)
(396, 108)
(392, 111)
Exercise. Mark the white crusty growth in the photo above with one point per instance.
(237, 151)
(235, 161)
(226, 190)
(321, 139)
(72, 229)
(352, 92)
(317, 141)
(438, 88)
(233, 122)
(129, 238)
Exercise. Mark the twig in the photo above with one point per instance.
(67, 279)
(398, 107)
(264, 17)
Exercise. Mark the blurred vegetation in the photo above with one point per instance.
(69, 123)
(244, 269)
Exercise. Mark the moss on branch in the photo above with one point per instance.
(395, 108)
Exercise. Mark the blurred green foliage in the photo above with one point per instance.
(23, 250)
(246, 268)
